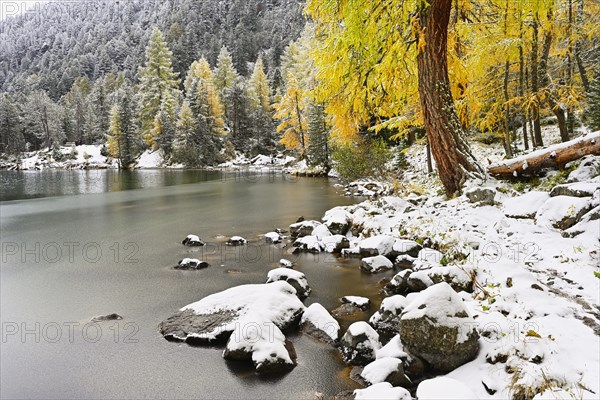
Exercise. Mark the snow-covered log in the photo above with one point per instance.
(550, 157)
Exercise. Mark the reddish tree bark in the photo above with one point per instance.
(450, 151)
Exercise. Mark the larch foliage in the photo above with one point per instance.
(291, 112)
(259, 90)
(225, 74)
(158, 91)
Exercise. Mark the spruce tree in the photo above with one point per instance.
(123, 142)
(261, 114)
(594, 100)
(11, 135)
(158, 92)
(225, 73)
(318, 131)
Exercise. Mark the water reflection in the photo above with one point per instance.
(17, 185)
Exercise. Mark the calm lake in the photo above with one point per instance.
(76, 244)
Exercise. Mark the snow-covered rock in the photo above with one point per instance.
(562, 212)
(578, 189)
(405, 247)
(272, 237)
(444, 388)
(386, 369)
(192, 241)
(361, 302)
(236, 241)
(481, 196)
(376, 264)
(382, 391)
(191, 263)
(430, 256)
(295, 278)
(589, 167)
(303, 228)
(437, 327)
(317, 322)
(264, 344)
(387, 319)
(589, 224)
(216, 316)
(338, 220)
(526, 205)
(376, 245)
(284, 262)
(335, 243)
(321, 232)
(359, 344)
(310, 244)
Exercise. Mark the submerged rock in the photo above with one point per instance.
(346, 310)
(191, 264)
(359, 344)
(108, 317)
(318, 323)
(437, 327)
(193, 241)
(295, 278)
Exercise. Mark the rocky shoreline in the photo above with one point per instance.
(495, 294)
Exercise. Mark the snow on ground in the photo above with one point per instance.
(536, 301)
(382, 391)
(151, 159)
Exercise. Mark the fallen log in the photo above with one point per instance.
(555, 156)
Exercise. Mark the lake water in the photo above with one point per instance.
(76, 244)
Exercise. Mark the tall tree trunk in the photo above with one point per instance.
(524, 115)
(585, 81)
(537, 129)
(507, 137)
(449, 149)
(556, 108)
(570, 51)
(429, 161)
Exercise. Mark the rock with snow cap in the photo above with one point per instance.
(192, 264)
(273, 237)
(578, 189)
(335, 243)
(405, 247)
(318, 323)
(215, 317)
(526, 205)
(295, 278)
(359, 344)
(193, 241)
(386, 369)
(337, 220)
(444, 388)
(303, 228)
(376, 264)
(236, 241)
(361, 302)
(309, 244)
(387, 319)
(382, 391)
(437, 327)
(562, 212)
(376, 245)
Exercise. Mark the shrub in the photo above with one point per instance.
(367, 158)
